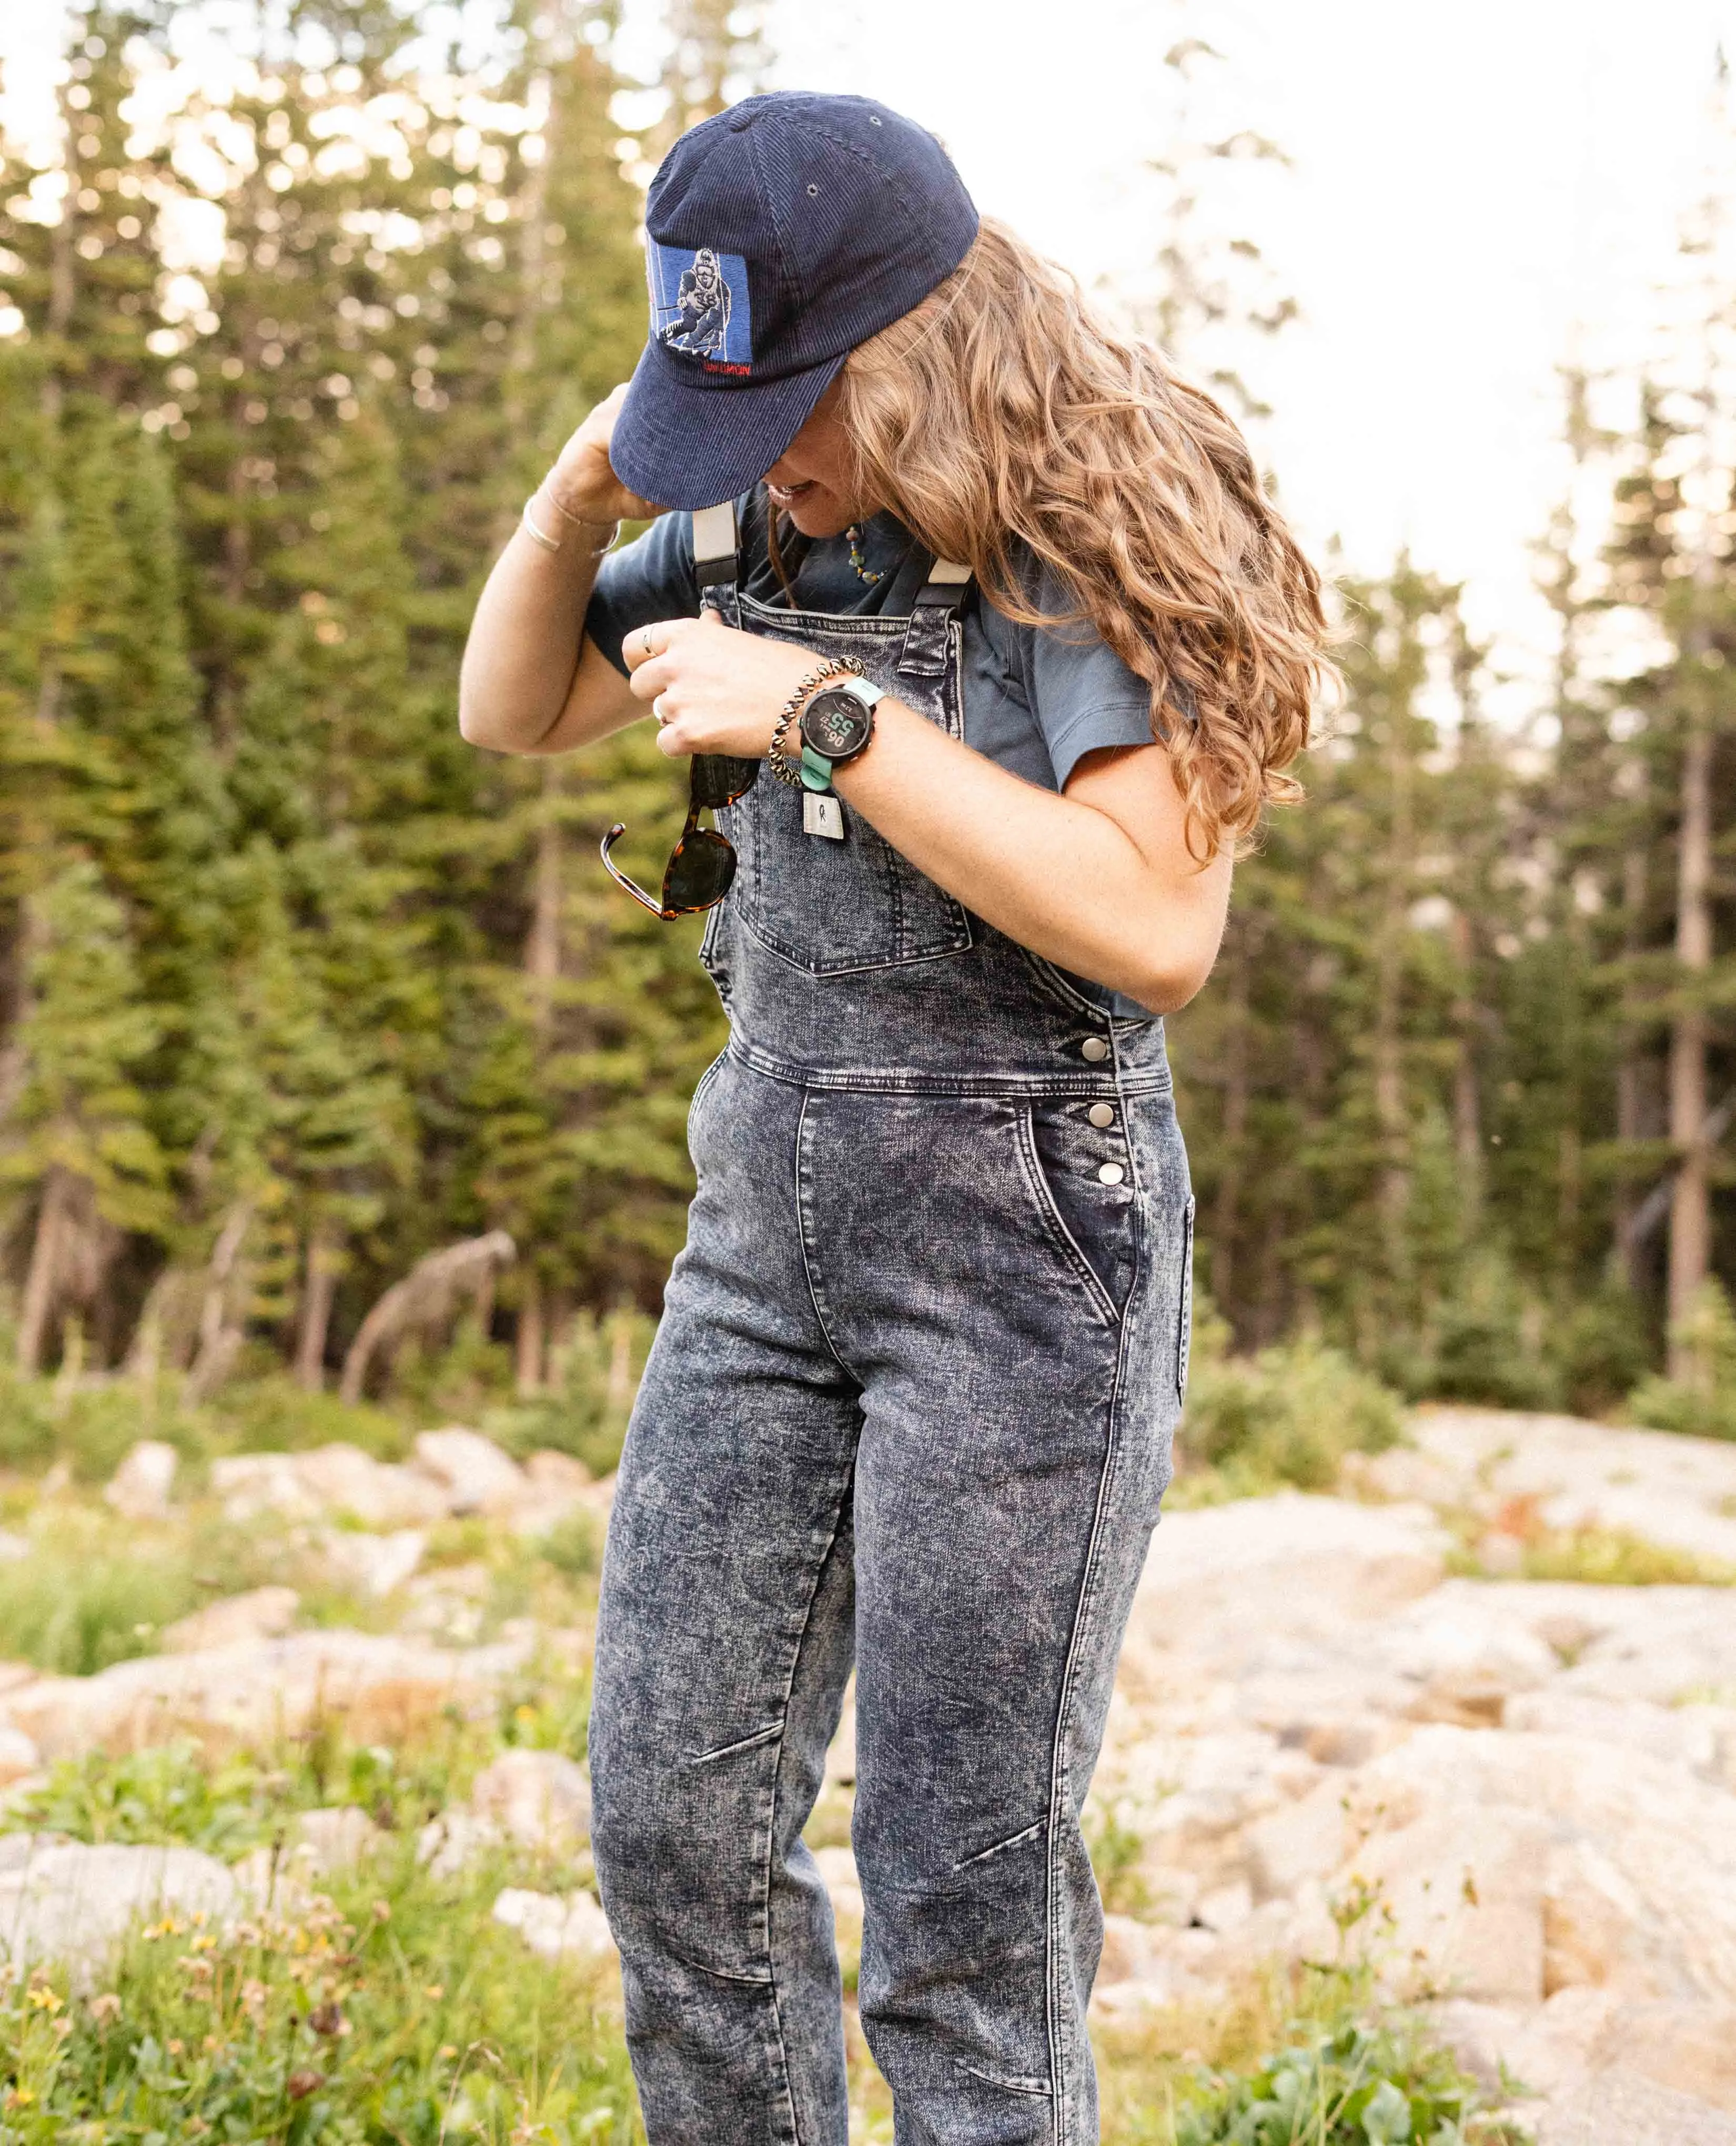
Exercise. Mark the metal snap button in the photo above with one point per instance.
(1102, 1114)
(1110, 1173)
(1093, 1050)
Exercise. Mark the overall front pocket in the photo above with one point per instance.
(832, 907)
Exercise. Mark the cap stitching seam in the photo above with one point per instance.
(786, 249)
(850, 149)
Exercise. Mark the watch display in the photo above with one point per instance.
(836, 724)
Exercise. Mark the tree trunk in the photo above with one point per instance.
(1226, 1207)
(1690, 1214)
(1630, 1092)
(1389, 1065)
(42, 1282)
(542, 943)
(318, 1288)
(529, 1341)
(1467, 1105)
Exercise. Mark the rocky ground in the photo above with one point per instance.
(1335, 1736)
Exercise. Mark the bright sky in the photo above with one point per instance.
(1477, 193)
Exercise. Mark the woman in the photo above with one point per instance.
(910, 1403)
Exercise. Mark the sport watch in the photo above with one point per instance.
(836, 724)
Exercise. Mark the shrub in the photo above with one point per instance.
(1486, 1348)
(79, 1603)
(1355, 2086)
(1705, 1404)
(598, 1369)
(1287, 1415)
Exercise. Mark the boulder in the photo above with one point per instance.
(263, 1612)
(328, 1482)
(381, 1688)
(837, 1867)
(19, 1757)
(555, 1926)
(1624, 2108)
(475, 1474)
(139, 1488)
(334, 1838)
(450, 1843)
(373, 1564)
(538, 1799)
(62, 1901)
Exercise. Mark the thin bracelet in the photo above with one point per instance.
(785, 769)
(611, 531)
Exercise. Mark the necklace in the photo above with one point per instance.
(864, 572)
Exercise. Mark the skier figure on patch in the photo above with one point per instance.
(702, 323)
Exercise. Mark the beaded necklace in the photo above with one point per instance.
(864, 572)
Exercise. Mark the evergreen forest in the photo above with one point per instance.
(326, 1046)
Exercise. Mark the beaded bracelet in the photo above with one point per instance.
(785, 769)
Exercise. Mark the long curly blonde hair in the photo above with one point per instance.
(1001, 411)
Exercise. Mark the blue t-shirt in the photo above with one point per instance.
(1036, 698)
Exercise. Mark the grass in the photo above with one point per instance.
(1284, 1417)
(1590, 1556)
(1294, 2058)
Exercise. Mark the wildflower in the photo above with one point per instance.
(20, 2096)
(435, 1990)
(448, 2050)
(43, 1999)
(327, 2018)
(105, 2009)
(62, 2028)
(300, 2084)
(205, 1943)
(176, 2047)
(253, 1996)
(382, 1911)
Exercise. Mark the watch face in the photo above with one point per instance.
(836, 724)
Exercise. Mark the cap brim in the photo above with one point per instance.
(684, 440)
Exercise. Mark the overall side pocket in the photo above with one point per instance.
(1185, 1325)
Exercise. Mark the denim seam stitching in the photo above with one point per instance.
(721, 1974)
(1037, 2089)
(769, 1733)
(914, 1080)
(1054, 1222)
(807, 1619)
(1058, 1769)
(803, 1216)
(1000, 1847)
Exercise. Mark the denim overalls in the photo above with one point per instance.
(909, 1408)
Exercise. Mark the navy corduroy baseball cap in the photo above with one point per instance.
(778, 234)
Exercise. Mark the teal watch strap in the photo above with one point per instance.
(816, 771)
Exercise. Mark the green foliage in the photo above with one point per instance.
(395, 2010)
(1287, 1415)
(1703, 1403)
(597, 1373)
(1357, 2086)
(279, 953)
(83, 1599)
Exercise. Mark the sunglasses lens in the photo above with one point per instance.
(699, 872)
(718, 779)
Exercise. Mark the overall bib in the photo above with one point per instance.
(910, 1409)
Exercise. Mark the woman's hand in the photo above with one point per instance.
(713, 689)
(583, 483)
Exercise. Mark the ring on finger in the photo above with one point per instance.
(657, 710)
(645, 641)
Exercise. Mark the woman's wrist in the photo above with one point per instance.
(785, 765)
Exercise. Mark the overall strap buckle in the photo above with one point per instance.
(927, 639)
(716, 562)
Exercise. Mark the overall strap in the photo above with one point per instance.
(927, 639)
(716, 562)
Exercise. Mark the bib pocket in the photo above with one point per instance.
(834, 908)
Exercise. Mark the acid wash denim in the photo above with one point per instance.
(910, 1409)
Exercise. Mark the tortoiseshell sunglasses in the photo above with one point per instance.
(701, 865)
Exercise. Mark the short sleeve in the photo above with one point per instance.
(649, 579)
(1082, 695)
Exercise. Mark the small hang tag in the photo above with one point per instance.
(822, 814)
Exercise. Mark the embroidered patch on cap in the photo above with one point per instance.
(700, 306)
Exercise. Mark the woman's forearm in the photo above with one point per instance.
(523, 650)
(1099, 891)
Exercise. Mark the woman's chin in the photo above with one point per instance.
(817, 518)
